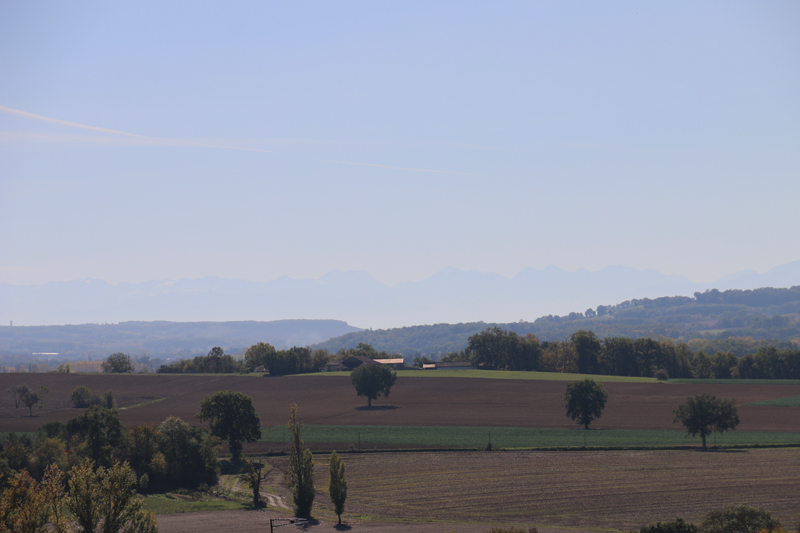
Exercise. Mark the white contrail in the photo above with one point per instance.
(179, 142)
(159, 140)
(400, 168)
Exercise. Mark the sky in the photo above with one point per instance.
(253, 140)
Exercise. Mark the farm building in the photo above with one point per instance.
(396, 364)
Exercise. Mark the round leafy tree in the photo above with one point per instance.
(585, 401)
(373, 381)
(118, 363)
(705, 414)
(232, 418)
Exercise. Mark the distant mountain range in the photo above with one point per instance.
(450, 296)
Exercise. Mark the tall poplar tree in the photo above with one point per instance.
(301, 469)
(338, 486)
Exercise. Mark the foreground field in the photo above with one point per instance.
(592, 490)
(432, 401)
(553, 491)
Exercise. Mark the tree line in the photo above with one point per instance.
(262, 357)
(583, 352)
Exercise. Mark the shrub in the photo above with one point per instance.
(81, 396)
(676, 526)
(739, 519)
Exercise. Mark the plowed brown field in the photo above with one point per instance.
(620, 490)
(416, 401)
(567, 491)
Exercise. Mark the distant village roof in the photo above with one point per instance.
(398, 361)
(426, 366)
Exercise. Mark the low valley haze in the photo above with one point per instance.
(344, 155)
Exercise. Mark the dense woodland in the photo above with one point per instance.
(584, 352)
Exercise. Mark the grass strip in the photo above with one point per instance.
(148, 402)
(4, 434)
(698, 381)
(167, 504)
(500, 374)
(791, 401)
(366, 437)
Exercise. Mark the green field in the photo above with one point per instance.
(502, 374)
(384, 437)
(498, 374)
(167, 503)
(736, 381)
(791, 401)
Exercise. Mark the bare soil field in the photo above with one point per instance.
(553, 491)
(606, 490)
(413, 401)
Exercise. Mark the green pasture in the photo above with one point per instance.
(4, 434)
(168, 503)
(698, 381)
(498, 374)
(791, 401)
(383, 437)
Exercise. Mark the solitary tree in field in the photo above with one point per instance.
(705, 414)
(16, 392)
(118, 363)
(233, 418)
(585, 401)
(30, 398)
(301, 468)
(338, 486)
(373, 381)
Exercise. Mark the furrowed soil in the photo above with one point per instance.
(413, 401)
(607, 490)
(566, 491)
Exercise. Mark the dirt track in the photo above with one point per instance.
(418, 401)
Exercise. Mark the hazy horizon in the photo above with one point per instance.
(449, 296)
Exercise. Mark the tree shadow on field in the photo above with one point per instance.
(377, 408)
(308, 523)
(342, 527)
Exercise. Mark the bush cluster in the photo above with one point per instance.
(174, 454)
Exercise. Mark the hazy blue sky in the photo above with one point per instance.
(293, 138)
